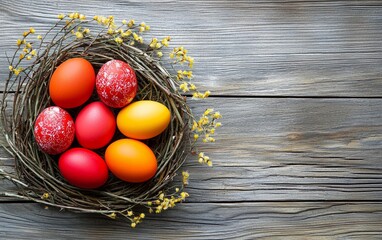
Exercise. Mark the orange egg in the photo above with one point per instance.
(72, 83)
(143, 119)
(131, 160)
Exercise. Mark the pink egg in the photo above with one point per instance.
(116, 84)
(54, 130)
(83, 168)
(95, 125)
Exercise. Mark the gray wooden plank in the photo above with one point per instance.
(304, 48)
(291, 149)
(282, 220)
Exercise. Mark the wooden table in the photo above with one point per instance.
(299, 84)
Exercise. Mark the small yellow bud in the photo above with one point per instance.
(45, 196)
(149, 203)
(133, 225)
(147, 27)
(118, 40)
(32, 30)
(161, 196)
(176, 189)
(33, 52)
(25, 34)
(29, 57)
(39, 37)
(183, 195)
(158, 45)
(124, 22)
(28, 45)
(21, 56)
(196, 136)
(86, 31)
(60, 16)
(112, 215)
(172, 55)
(10, 68)
(209, 163)
(19, 42)
(82, 17)
(110, 31)
(131, 23)
(141, 29)
(160, 54)
(79, 35)
(142, 215)
(143, 24)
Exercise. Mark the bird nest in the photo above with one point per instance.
(26, 94)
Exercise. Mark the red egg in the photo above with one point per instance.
(95, 125)
(116, 83)
(54, 130)
(83, 168)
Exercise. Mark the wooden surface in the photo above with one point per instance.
(299, 84)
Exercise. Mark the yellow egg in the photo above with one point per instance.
(143, 119)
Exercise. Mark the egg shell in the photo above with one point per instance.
(143, 119)
(131, 160)
(54, 130)
(95, 125)
(116, 83)
(83, 168)
(72, 83)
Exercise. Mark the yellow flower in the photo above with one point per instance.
(140, 39)
(28, 45)
(160, 54)
(149, 203)
(86, 31)
(135, 36)
(142, 215)
(124, 22)
(31, 30)
(165, 42)
(217, 115)
(133, 225)
(82, 17)
(161, 196)
(143, 24)
(110, 31)
(183, 195)
(60, 16)
(118, 40)
(190, 62)
(172, 55)
(209, 163)
(131, 23)
(147, 27)
(17, 71)
(130, 213)
(186, 176)
(208, 111)
(45, 196)
(25, 34)
(128, 32)
(33, 52)
(21, 56)
(39, 37)
(112, 215)
(19, 42)
(79, 35)
(141, 29)
(10, 68)
(29, 57)
(26, 50)
(192, 86)
(176, 189)
(158, 45)
(184, 87)
(153, 42)
(196, 136)
(206, 94)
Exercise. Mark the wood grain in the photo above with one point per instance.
(289, 220)
(256, 48)
(291, 149)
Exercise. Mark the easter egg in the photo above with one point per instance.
(54, 130)
(72, 83)
(95, 125)
(83, 168)
(143, 119)
(116, 83)
(131, 160)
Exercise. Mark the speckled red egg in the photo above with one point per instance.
(95, 125)
(116, 83)
(54, 130)
(83, 168)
